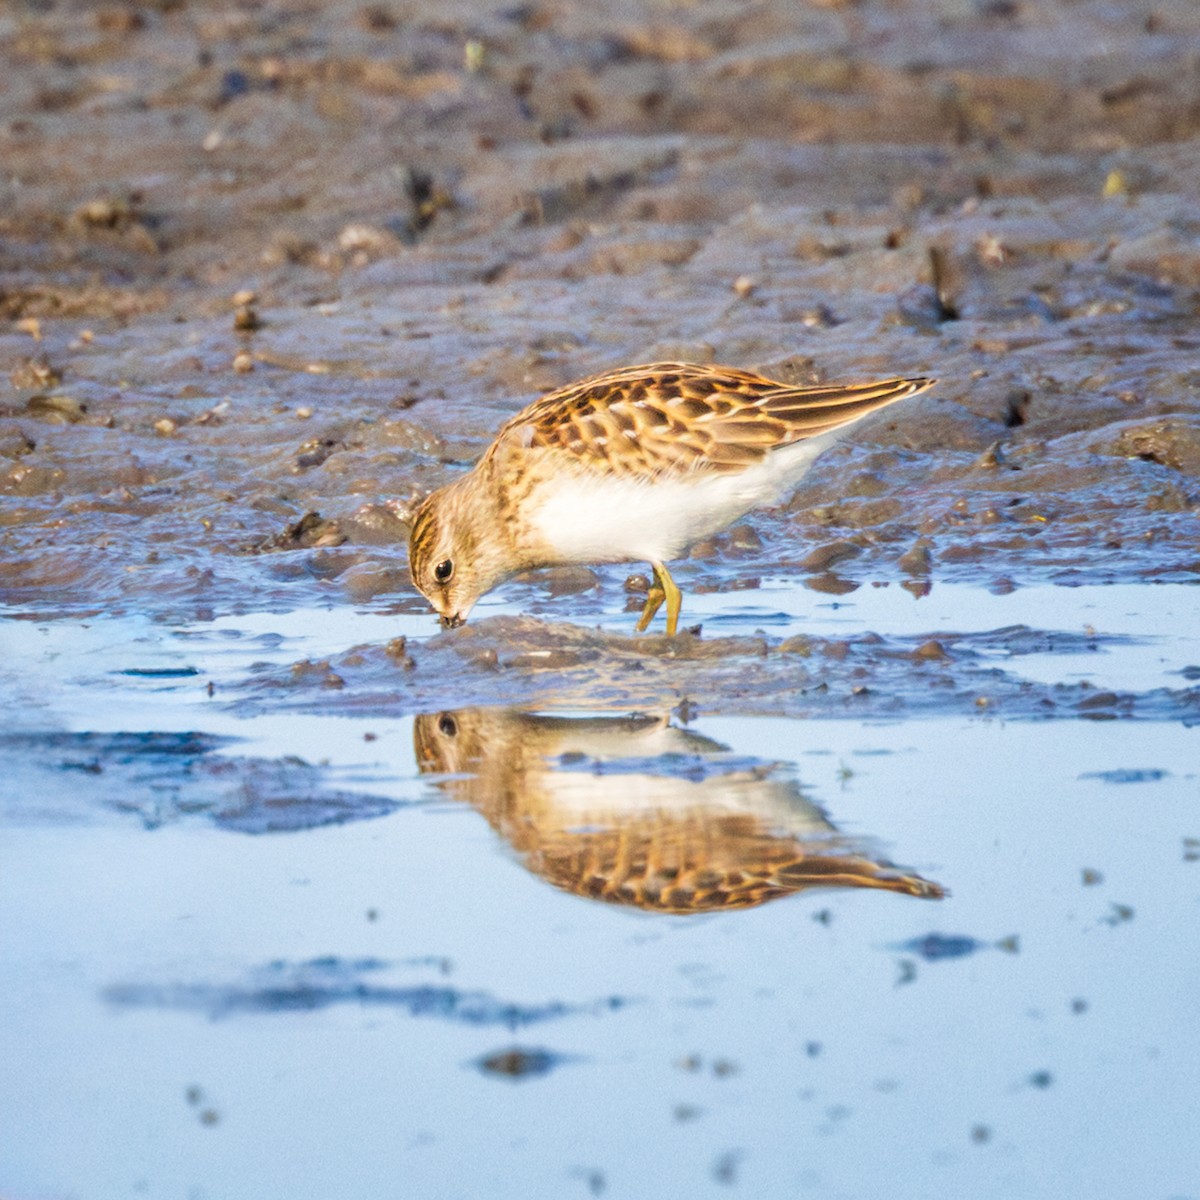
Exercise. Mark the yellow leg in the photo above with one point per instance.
(674, 597)
(663, 588)
(654, 599)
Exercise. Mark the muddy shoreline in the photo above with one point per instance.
(258, 262)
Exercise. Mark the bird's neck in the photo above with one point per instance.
(497, 498)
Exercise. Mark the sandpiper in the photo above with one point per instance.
(631, 465)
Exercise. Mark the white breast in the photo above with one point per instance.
(589, 517)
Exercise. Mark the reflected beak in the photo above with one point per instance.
(452, 622)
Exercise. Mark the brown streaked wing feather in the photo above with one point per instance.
(676, 418)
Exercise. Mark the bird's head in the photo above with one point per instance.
(454, 552)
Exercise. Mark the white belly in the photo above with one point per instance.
(588, 517)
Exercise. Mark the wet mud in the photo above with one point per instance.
(260, 263)
(866, 676)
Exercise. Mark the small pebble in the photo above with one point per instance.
(1115, 185)
(931, 651)
(916, 560)
(473, 55)
(246, 319)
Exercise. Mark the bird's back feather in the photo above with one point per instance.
(677, 419)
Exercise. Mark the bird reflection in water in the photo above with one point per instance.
(640, 812)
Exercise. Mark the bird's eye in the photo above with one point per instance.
(448, 725)
(443, 571)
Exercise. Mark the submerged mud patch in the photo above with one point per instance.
(520, 1062)
(286, 987)
(164, 778)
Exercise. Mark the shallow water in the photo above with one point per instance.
(266, 952)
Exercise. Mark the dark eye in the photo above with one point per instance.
(443, 571)
(448, 725)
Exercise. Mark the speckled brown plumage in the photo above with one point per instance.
(668, 417)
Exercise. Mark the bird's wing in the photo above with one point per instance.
(679, 418)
